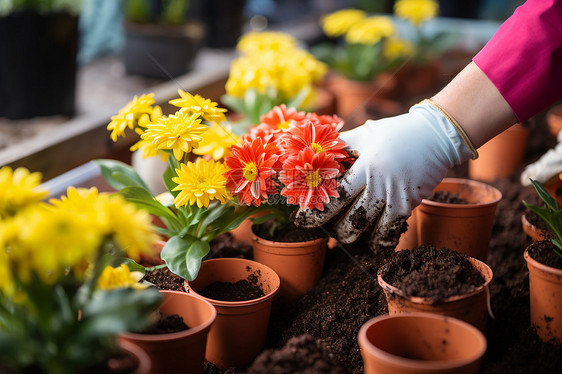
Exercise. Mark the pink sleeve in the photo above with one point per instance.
(524, 58)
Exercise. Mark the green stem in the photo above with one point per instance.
(152, 268)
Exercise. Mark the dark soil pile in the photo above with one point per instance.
(447, 198)
(166, 324)
(431, 273)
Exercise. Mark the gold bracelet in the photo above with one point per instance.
(457, 126)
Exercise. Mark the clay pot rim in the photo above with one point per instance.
(238, 304)
(465, 181)
(144, 361)
(420, 364)
(532, 230)
(539, 265)
(287, 245)
(488, 275)
(180, 334)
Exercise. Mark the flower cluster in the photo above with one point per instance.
(296, 155)
(271, 70)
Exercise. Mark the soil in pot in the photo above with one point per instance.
(543, 252)
(535, 220)
(447, 198)
(166, 324)
(288, 233)
(245, 289)
(164, 279)
(427, 272)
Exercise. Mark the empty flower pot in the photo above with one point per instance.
(420, 343)
(298, 264)
(471, 307)
(239, 332)
(501, 156)
(466, 228)
(545, 290)
(183, 351)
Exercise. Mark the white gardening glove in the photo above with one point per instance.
(546, 167)
(401, 160)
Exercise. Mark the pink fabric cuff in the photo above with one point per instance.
(524, 58)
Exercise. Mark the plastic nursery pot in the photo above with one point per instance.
(239, 332)
(501, 156)
(471, 307)
(465, 228)
(409, 239)
(420, 343)
(298, 264)
(545, 290)
(554, 119)
(183, 351)
(142, 360)
(533, 232)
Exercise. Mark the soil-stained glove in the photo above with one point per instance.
(546, 167)
(401, 160)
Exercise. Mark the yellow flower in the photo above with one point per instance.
(206, 108)
(257, 42)
(180, 133)
(216, 142)
(18, 188)
(397, 48)
(339, 23)
(121, 277)
(129, 115)
(371, 30)
(416, 11)
(200, 182)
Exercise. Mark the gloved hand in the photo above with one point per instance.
(401, 160)
(546, 167)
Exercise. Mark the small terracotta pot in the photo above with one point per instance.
(465, 228)
(554, 119)
(420, 343)
(144, 364)
(239, 332)
(409, 239)
(501, 156)
(534, 232)
(183, 351)
(298, 264)
(545, 290)
(241, 234)
(470, 307)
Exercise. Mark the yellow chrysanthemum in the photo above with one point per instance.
(216, 142)
(206, 108)
(416, 11)
(371, 30)
(18, 189)
(129, 115)
(180, 133)
(257, 42)
(200, 182)
(397, 48)
(121, 277)
(338, 23)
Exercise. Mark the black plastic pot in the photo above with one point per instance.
(224, 19)
(161, 52)
(37, 64)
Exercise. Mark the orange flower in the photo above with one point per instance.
(334, 121)
(309, 179)
(250, 171)
(279, 118)
(314, 135)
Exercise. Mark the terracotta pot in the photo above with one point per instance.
(534, 232)
(470, 307)
(466, 228)
(144, 364)
(545, 290)
(241, 234)
(554, 119)
(415, 79)
(153, 259)
(325, 102)
(409, 239)
(298, 264)
(501, 156)
(178, 352)
(239, 332)
(420, 343)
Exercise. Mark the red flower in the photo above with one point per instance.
(314, 135)
(334, 121)
(279, 118)
(309, 179)
(250, 174)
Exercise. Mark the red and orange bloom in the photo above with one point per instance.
(314, 135)
(279, 118)
(251, 170)
(334, 121)
(309, 179)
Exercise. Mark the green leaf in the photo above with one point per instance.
(168, 175)
(119, 174)
(183, 255)
(544, 195)
(133, 265)
(144, 200)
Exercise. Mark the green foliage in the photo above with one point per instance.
(550, 214)
(166, 12)
(190, 229)
(42, 6)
